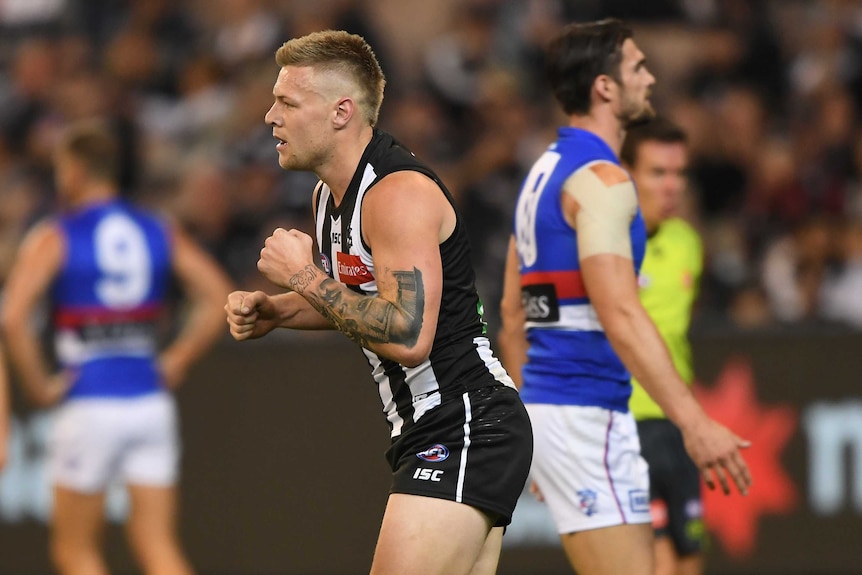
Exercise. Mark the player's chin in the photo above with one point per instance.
(643, 116)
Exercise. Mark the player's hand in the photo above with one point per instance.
(285, 254)
(716, 452)
(250, 314)
(172, 369)
(537, 493)
(50, 391)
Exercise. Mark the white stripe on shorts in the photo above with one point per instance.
(468, 415)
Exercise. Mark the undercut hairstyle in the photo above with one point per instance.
(94, 145)
(579, 55)
(339, 51)
(653, 130)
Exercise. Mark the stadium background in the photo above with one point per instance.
(283, 468)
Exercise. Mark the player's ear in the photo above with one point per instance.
(604, 86)
(344, 110)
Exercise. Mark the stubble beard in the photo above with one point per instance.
(313, 156)
(634, 115)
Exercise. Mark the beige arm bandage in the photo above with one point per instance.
(607, 203)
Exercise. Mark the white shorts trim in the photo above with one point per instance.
(97, 441)
(587, 464)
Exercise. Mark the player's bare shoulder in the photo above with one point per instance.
(46, 239)
(409, 200)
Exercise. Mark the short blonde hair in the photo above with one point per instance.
(94, 145)
(339, 51)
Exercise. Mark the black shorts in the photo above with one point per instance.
(675, 497)
(474, 449)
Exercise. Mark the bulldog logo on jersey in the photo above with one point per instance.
(589, 502)
(434, 454)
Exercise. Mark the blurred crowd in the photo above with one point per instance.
(768, 91)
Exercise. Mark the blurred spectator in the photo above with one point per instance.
(841, 294)
(793, 269)
(247, 30)
(455, 61)
(768, 90)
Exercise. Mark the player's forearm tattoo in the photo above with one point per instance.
(301, 280)
(367, 319)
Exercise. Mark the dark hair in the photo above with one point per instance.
(579, 55)
(653, 130)
(95, 146)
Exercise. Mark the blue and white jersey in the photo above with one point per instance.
(570, 360)
(108, 297)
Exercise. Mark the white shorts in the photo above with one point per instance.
(588, 467)
(97, 441)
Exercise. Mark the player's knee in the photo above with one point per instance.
(72, 556)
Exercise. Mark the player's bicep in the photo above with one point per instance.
(402, 228)
(605, 202)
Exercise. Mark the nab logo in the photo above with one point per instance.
(428, 474)
(434, 454)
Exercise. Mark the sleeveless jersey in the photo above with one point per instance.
(107, 299)
(461, 358)
(668, 286)
(570, 361)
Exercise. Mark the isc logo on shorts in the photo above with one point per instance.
(428, 474)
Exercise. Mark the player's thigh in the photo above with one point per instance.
(588, 467)
(86, 442)
(618, 550)
(429, 536)
(665, 556)
(77, 518)
(489, 557)
(151, 457)
(153, 513)
(667, 562)
(690, 564)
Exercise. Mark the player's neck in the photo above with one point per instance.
(95, 193)
(604, 124)
(338, 172)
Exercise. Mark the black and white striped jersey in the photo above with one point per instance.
(461, 358)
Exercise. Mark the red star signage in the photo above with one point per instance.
(732, 400)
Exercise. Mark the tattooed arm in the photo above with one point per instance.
(367, 320)
(405, 218)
